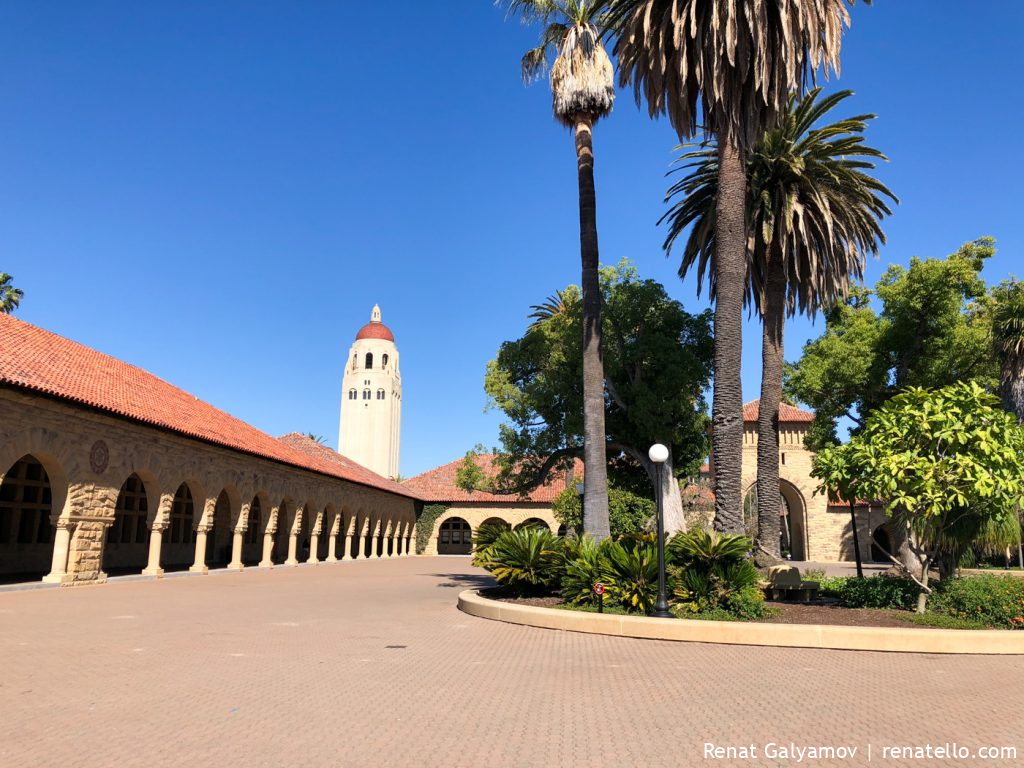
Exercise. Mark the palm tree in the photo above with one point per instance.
(583, 90)
(1008, 332)
(10, 297)
(739, 60)
(814, 213)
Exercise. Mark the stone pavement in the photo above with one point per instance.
(369, 663)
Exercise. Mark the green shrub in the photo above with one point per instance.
(629, 571)
(581, 568)
(712, 574)
(814, 574)
(943, 621)
(484, 539)
(527, 561)
(997, 601)
(872, 592)
(628, 513)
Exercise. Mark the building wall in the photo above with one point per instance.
(88, 456)
(476, 513)
(369, 430)
(827, 531)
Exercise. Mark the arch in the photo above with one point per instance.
(353, 394)
(881, 542)
(126, 546)
(533, 522)
(454, 537)
(369, 361)
(46, 447)
(224, 518)
(26, 521)
(381, 394)
(792, 527)
(178, 551)
(328, 527)
(384, 360)
(499, 521)
(255, 527)
(279, 553)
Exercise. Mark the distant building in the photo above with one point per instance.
(371, 400)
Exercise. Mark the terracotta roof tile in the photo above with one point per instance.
(35, 359)
(788, 414)
(438, 484)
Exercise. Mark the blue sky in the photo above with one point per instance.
(220, 192)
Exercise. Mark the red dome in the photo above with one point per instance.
(375, 331)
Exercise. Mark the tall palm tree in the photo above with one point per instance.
(10, 297)
(583, 90)
(739, 60)
(814, 215)
(1008, 332)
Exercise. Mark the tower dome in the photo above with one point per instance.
(375, 329)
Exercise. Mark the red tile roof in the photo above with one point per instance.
(439, 484)
(788, 414)
(37, 360)
(375, 330)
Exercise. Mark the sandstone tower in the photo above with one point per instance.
(371, 399)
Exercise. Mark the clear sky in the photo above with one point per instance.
(219, 192)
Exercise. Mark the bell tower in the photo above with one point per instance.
(371, 399)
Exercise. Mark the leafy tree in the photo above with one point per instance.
(814, 214)
(10, 297)
(946, 461)
(627, 511)
(469, 475)
(933, 329)
(1008, 333)
(657, 363)
(583, 90)
(739, 61)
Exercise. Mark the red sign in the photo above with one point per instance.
(598, 588)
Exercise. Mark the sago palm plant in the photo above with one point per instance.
(527, 560)
(583, 90)
(814, 211)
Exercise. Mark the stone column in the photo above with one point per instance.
(268, 548)
(156, 539)
(384, 545)
(199, 565)
(375, 544)
(61, 545)
(236, 551)
(347, 552)
(360, 545)
(332, 548)
(293, 549)
(314, 544)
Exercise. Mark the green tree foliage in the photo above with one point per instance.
(469, 475)
(10, 297)
(947, 461)
(657, 364)
(627, 512)
(932, 328)
(1008, 335)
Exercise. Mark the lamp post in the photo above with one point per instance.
(658, 454)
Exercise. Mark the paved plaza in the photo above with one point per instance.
(370, 663)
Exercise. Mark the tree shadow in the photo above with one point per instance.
(465, 580)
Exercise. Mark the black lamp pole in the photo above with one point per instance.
(658, 454)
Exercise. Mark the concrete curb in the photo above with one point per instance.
(978, 641)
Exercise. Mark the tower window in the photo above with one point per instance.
(369, 360)
(366, 394)
(352, 394)
(380, 394)
(384, 364)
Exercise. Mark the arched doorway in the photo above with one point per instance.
(881, 542)
(455, 537)
(218, 540)
(179, 546)
(26, 533)
(252, 543)
(280, 551)
(126, 549)
(792, 525)
(533, 522)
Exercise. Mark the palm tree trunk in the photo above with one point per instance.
(730, 275)
(1012, 385)
(595, 478)
(773, 314)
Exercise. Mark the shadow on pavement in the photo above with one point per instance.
(464, 580)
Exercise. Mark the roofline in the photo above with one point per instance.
(6, 384)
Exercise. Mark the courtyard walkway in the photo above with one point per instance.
(369, 663)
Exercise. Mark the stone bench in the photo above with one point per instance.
(786, 585)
